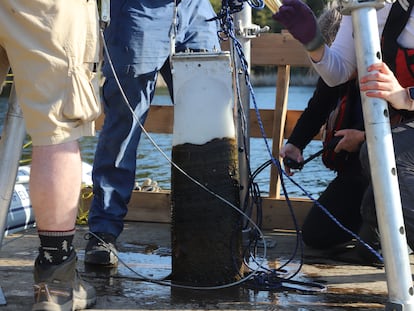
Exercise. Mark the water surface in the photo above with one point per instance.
(154, 154)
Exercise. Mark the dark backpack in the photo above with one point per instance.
(346, 115)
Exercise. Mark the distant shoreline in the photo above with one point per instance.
(309, 79)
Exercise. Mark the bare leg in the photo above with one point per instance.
(55, 181)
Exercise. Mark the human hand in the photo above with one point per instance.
(299, 19)
(292, 152)
(350, 141)
(380, 82)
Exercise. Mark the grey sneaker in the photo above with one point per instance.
(101, 250)
(60, 288)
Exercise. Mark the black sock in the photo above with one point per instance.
(55, 246)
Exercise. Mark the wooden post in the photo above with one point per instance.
(282, 86)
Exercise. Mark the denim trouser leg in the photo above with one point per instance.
(115, 158)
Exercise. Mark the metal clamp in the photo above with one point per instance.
(105, 12)
(252, 31)
(349, 5)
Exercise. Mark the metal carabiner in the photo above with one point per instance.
(104, 12)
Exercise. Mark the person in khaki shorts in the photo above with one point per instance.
(52, 48)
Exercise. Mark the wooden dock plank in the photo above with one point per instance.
(156, 207)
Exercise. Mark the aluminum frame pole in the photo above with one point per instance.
(382, 161)
(13, 134)
(11, 142)
(243, 24)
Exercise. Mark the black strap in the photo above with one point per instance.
(396, 21)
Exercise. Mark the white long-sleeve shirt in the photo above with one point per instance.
(339, 62)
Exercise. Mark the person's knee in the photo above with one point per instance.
(313, 241)
(312, 237)
(308, 239)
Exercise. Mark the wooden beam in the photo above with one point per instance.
(160, 120)
(150, 206)
(156, 207)
(277, 214)
(276, 49)
(280, 111)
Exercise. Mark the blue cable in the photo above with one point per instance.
(227, 26)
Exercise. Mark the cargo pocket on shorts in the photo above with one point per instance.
(84, 104)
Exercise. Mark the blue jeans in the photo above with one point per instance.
(138, 43)
(114, 166)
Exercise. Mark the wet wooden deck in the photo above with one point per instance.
(145, 249)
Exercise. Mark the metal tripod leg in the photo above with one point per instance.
(243, 19)
(382, 161)
(11, 143)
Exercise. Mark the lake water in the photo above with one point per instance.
(152, 164)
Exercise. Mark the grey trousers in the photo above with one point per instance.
(403, 139)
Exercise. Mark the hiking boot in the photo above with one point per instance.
(360, 254)
(60, 288)
(101, 250)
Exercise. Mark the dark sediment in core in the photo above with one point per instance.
(206, 232)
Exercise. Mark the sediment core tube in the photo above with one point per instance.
(206, 231)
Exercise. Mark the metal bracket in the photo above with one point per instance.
(349, 5)
(105, 12)
(252, 31)
(392, 306)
